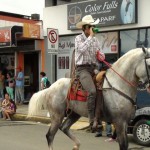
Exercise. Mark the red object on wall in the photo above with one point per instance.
(21, 60)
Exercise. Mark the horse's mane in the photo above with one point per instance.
(129, 56)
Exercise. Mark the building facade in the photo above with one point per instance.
(22, 44)
(122, 27)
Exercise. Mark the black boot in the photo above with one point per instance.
(93, 124)
(91, 110)
(98, 134)
(99, 129)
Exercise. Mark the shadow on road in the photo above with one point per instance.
(13, 123)
(137, 148)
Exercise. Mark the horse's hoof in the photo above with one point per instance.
(75, 148)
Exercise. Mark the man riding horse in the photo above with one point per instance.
(87, 54)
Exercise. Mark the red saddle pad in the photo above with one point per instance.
(79, 95)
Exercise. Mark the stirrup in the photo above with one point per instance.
(95, 124)
(93, 128)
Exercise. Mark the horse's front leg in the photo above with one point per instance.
(65, 127)
(121, 130)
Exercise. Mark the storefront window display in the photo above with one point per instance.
(108, 42)
(109, 45)
(7, 63)
(66, 47)
(134, 38)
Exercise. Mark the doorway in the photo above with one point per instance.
(31, 73)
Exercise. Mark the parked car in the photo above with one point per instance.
(139, 126)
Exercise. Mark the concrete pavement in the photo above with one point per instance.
(21, 115)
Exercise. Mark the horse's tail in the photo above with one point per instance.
(37, 102)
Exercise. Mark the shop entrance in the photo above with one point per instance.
(31, 70)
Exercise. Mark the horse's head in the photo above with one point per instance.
(143, 68)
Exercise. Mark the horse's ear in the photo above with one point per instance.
(144, 50)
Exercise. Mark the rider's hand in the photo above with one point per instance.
(91, 32)
(100, 56)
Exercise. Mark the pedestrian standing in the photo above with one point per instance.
(10, 84)
(44, 81)
(19, 88)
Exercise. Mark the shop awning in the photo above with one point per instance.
(8, 36)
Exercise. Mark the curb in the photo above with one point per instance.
(43, 119)
(79, 125)
(23, 117)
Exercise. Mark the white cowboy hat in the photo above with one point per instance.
(88, 19)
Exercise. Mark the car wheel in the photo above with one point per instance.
(141, 132)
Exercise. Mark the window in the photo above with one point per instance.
(134, 38)
(131, 39)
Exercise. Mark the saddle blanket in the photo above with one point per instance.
(76, 91)
(78, 95)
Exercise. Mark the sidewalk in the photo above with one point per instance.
(21, 115)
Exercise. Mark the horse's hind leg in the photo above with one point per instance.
(70, 120)
(122, 138)
(55, 124)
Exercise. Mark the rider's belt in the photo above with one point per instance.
(86, 65)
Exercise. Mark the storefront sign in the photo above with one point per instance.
(5, 37)
(8, 36)
(31, 31)
(52, 40)
(115, 12)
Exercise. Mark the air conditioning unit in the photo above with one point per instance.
(35, 16)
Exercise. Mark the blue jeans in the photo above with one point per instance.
(108, 128)
(19, 94)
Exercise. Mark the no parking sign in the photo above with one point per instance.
(52, 40)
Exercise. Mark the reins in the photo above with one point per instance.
(118, 91)
(109, 65)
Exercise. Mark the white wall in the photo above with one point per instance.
(56, 17)
(4, 23)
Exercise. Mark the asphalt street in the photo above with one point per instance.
(16, 135)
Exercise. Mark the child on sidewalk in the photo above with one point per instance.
(8, 107)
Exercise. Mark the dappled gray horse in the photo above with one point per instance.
(119, 93)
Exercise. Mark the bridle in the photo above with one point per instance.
(147, 72)
(129, 83)
(120, 92)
